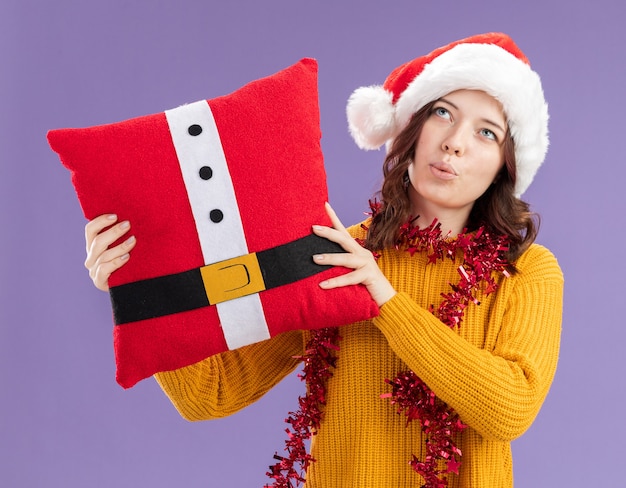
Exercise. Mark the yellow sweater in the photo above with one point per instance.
(495, 372)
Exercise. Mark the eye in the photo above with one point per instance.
(489, 134)
(441, 112)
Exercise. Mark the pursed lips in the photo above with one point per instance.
(443, 170)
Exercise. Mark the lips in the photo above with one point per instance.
(443, 170)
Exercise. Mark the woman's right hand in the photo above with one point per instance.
(102, 261)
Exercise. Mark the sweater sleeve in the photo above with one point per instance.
(497, 391)
(225, 383)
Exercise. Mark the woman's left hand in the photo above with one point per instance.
(356, 257)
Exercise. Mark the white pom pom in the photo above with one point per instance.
(371, 116)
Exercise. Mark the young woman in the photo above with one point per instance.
(459, 361)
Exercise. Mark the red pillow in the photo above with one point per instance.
(221, 195)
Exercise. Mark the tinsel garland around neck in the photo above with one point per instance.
(483, 254)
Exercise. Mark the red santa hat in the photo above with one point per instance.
(488, 62)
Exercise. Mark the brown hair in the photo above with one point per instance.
(497, 209)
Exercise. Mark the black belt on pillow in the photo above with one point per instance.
(219, 282)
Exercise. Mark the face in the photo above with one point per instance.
(458, 154)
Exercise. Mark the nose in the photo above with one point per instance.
(454, 143)
(451, 149)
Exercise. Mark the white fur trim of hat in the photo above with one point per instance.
(488, 62)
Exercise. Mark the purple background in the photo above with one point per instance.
(64, 421)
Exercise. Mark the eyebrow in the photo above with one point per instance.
(488, 121)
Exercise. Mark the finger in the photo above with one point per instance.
(347, 260)
(346, 241)
(102, 272)
(377, 285)
(97, 225)
(334, 218)
(353, 278)
(100, 242)
(117, 251)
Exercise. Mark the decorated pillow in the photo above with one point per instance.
(221, 195)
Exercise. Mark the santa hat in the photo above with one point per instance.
(488, 62)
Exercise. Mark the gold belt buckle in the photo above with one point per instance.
(232, 278)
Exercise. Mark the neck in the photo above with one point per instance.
(452, 221)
